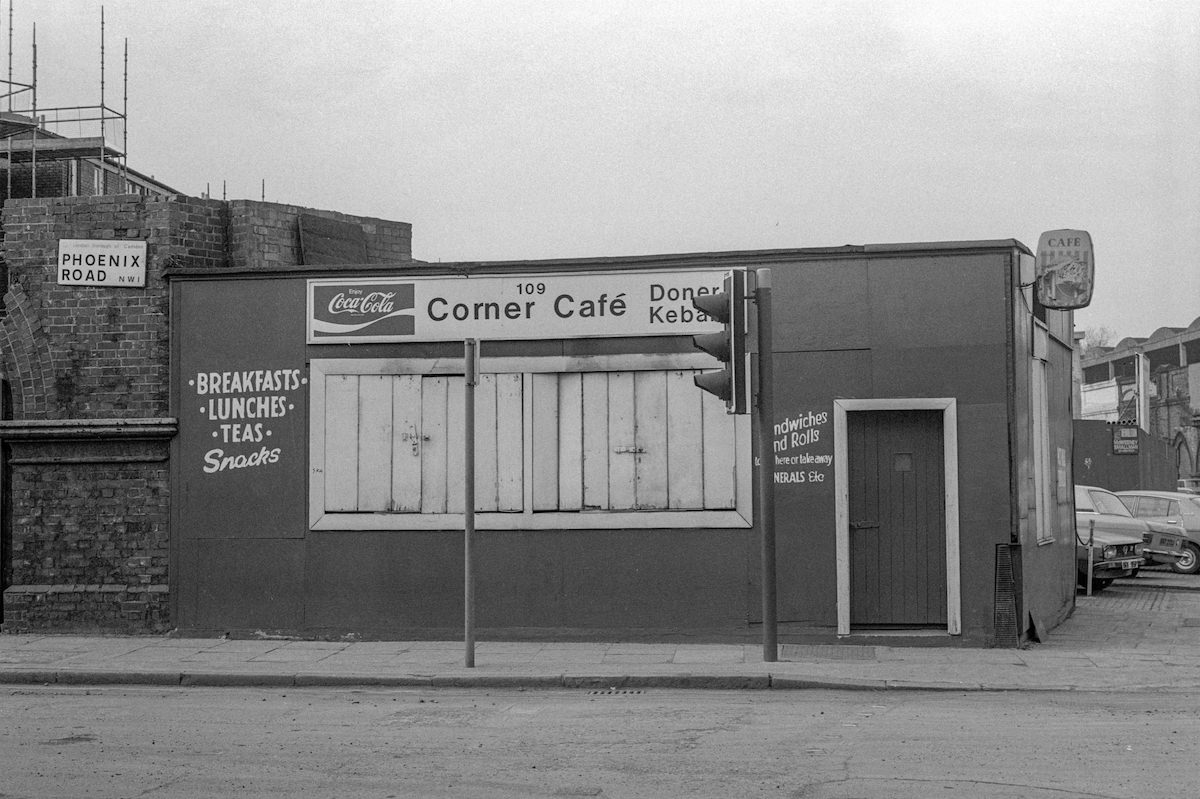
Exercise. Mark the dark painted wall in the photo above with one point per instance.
(246, 561)
(1152, 468)
(1045, 570)
(917, 326)
(868, 326)
(1048, 578)
(238, 531)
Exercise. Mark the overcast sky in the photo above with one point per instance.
(524, 130)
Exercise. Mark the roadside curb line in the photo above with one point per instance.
(591, 682)
(598, 683)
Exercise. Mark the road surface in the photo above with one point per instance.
(154, 742)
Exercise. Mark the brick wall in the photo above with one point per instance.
(88, 352)
(266, 235)
(53, 179)
(97, 558)
(82, 352)
(86, 437)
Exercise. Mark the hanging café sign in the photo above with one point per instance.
(545, 305)
(1066, 266)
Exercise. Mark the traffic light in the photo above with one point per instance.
(731, 384)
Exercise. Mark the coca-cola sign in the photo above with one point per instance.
(361, 310)
(511, 307)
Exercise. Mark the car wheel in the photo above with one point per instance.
(1100, 585)
(1190, 562)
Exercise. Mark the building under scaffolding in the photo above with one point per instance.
(65, 151)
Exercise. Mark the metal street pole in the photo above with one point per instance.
(766, 469)
(470, 356)
(1091, 553)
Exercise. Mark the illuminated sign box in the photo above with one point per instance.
(513, 307)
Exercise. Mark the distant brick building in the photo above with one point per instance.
(1151, 382)
(86, 429)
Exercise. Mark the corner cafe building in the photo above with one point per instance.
(920, 450)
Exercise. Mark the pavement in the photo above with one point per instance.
(1141, 634)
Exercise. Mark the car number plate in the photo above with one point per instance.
(1129, 564)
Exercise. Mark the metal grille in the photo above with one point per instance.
(1005, 600)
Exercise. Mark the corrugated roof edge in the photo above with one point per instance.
(619, 261)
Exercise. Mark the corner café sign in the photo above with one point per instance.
(544, 305)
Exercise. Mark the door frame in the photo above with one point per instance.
(949, 408)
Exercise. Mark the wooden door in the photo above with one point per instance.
(897, 519)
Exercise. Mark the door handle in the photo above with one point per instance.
(415, 438)
(864, 525)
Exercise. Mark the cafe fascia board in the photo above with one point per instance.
(509, 307)
(101, 262)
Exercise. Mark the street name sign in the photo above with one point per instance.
(101, 262)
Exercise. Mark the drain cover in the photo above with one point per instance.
(615, 692)
(826, 652)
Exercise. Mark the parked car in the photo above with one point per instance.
(1120, 544)
(1175, 508)
(1164, 545)
(1115, 544)
(1114, 555)
(1188, 485)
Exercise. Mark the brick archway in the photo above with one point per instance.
(25, 357)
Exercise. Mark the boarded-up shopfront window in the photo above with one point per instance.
(591, 449)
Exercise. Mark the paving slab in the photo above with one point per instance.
(1139, 635)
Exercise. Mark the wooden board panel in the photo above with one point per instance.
(374, 443)
(510, 441)
(685, 442)
(584, 441)
(862, 462)
(406, 443)
(545, 441)
(720, 486)
(622, 472)
(341, 443)
(595, 441)
(570, 441)
(486, 497)
(456, 457)
(650, 438)
(433, 449)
